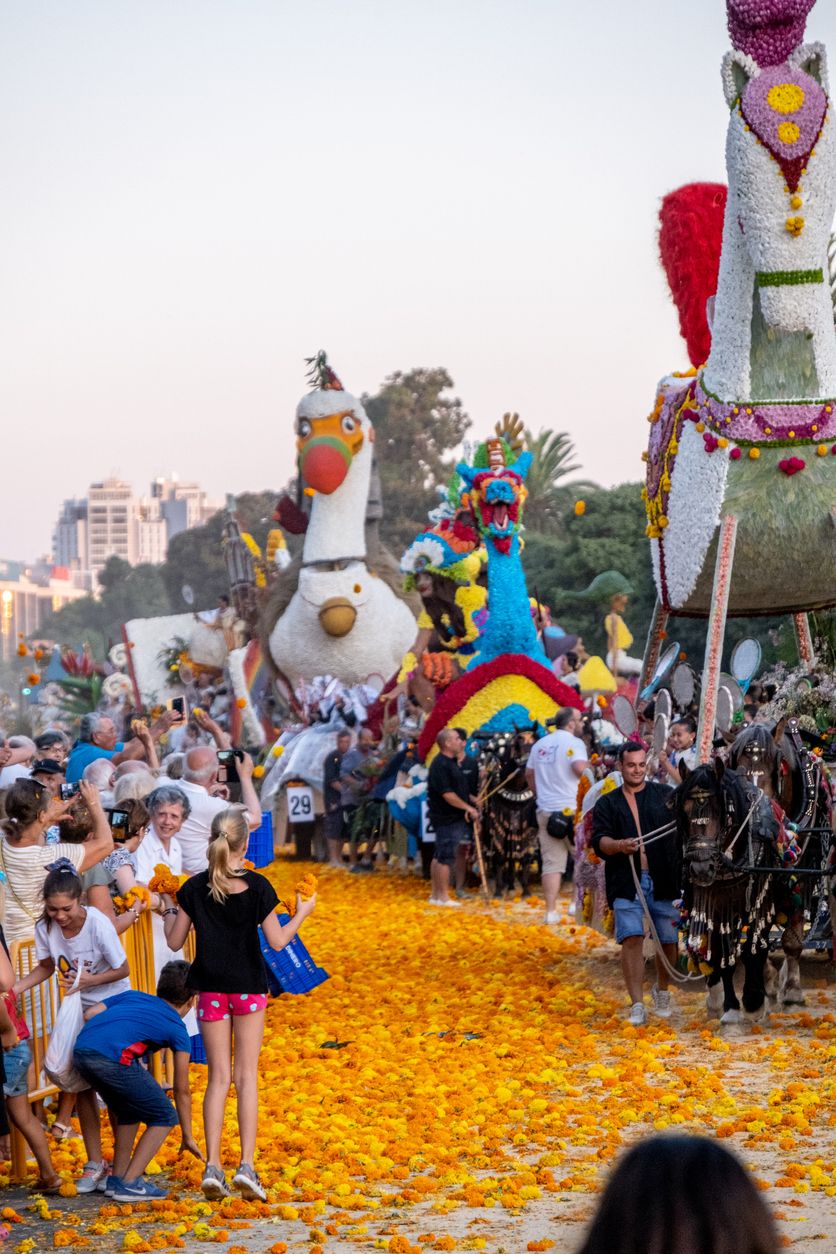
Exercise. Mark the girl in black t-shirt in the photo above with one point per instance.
(226, 905)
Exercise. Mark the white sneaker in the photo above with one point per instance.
(573, 905)
(93, 1175)
(451, 901)
(433, 901)
(638, 1015)
(661, 1002)
(552, 917)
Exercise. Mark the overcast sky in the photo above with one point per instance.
(197, 194)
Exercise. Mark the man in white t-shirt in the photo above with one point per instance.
(554, 767)
(199, 783)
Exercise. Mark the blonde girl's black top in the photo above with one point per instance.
(228, 955)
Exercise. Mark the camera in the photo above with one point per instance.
(226, 763)
(68, 791)
(118, 820)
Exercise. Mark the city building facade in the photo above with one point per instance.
(111, 521)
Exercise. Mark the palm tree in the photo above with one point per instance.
(548, 492)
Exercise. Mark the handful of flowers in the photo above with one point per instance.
(306, 887)
(138, 895)
(165, 881)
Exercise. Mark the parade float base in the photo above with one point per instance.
(785, 555)
(464, 1081)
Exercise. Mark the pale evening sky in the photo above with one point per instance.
(199, 194)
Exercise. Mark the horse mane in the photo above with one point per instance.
(729, 785)
(690, 238)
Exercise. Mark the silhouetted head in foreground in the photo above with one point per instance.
(681, 1195)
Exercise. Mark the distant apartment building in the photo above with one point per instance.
(28, 594)
(111, 521)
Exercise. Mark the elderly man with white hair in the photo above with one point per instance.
(97, 739)
(201, 786)
(100, 774)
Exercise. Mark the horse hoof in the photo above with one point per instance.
(714, 1001)
(755, 1016)
(794, 997)
(730, 1016)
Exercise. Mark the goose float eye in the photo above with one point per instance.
(349, 424)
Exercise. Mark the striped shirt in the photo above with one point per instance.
(25, 870)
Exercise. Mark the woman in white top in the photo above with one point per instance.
(168, 808)
(24, 853)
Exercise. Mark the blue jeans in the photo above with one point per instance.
(131, 1093)
(629, 916)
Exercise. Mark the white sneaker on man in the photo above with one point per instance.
(661, 1002)
(552, 917)
(638, 1015)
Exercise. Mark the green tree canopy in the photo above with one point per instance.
(127, 592)
(417, 429)
(549, 483)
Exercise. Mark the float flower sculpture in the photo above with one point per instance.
(344, 619)
(444, 565)
(722, 437)
(509, 683)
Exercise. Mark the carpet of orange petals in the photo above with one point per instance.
(464, 1081)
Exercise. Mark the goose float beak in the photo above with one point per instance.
(337, 616)
(327, 447)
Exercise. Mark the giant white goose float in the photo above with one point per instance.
(343, 619)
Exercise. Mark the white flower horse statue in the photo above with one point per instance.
(749, 442)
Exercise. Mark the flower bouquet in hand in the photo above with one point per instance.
(305, 888)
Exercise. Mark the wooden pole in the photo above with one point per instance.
(477, 823)
(653, 647)
(715, 636)
(804, 640)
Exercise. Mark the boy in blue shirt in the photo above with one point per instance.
(108, 1048)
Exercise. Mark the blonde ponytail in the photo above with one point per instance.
(229, 834)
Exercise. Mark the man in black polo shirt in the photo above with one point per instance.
(449, 806)
(619, 821)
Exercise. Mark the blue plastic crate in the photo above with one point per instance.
(198, 1052)
(260, 849)
(292, 969)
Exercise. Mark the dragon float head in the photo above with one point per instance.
(496, 491)
(331, 429)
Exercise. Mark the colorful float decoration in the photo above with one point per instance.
(343, 619)
(508, 684)
(741, 461)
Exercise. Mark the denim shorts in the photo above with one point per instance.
(131, 1092)
(630, 920)
(447, 841)
(16, 1062)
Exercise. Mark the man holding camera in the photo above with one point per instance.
(555, 765)
(207, 772)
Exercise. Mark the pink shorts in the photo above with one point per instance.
(212, 1006)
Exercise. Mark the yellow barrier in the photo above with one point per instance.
(40, 1006)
